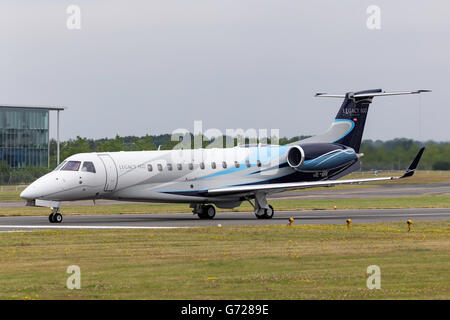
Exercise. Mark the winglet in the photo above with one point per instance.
(413, 166)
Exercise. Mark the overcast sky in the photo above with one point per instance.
(152, 66)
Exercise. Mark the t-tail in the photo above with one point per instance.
(348, 127)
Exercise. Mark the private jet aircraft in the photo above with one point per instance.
(221, 177)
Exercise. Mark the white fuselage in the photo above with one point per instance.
(159, 176)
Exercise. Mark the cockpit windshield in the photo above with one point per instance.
(88, 167)
(59, 166)
(72, 166)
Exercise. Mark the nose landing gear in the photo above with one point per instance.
(55, 216)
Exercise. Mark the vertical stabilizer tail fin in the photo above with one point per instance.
(354, 111)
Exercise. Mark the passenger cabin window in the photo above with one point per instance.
(247, 162)
(202, 165)
(179, 166)
(169, 166)
(159, 166)
(72, 166)
(149, 167)
(236, 164)
(191, 166)
(88, 167)
(258, 163)
(213, 165)
(60, 165)
(224, 165)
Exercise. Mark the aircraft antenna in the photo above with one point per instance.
(420, 120)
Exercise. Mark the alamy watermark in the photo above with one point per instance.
(374, 280)
(374, 19)
(232, 147)
(74, 19)
(74, 280)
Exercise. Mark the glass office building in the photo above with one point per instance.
(24, 136)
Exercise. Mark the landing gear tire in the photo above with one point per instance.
(55, 217)
(268, 213)
(260, 214)
(207, 212)
(265, 213)
(58, 217)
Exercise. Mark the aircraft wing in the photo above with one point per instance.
(279, 187)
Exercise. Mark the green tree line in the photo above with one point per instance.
(378, 155)
(397, 154)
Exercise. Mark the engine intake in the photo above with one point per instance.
(295, 157)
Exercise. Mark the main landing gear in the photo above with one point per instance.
(204, 211)
(55, 216)
(263, 210)
(263, 213)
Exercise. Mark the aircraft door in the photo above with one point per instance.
(111, 172)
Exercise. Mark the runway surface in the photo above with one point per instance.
(183, 220)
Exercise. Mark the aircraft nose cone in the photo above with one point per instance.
(43, 187)
(29, 193)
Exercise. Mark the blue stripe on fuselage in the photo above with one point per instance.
(268, 155)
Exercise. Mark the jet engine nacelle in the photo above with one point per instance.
(311, 157)
(295, 157)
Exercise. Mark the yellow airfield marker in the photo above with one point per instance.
(409, 222)
(349, 222)
(291, 221)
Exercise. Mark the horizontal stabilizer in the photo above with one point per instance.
(369, 95)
